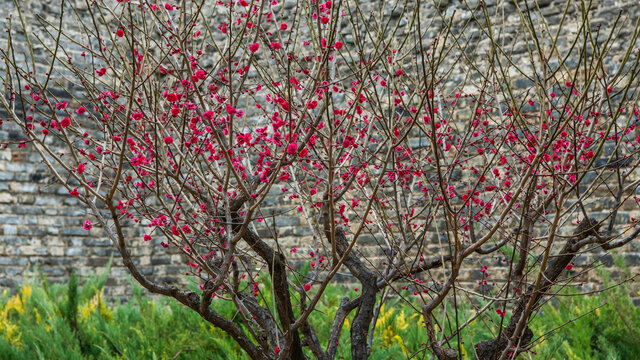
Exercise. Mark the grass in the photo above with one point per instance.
(74, 321)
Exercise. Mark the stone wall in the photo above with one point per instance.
(40, 225)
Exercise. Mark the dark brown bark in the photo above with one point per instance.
(364, 313)
(441, 353)
(276, 264)
(186, 297)
(345, 308)
(517, 331)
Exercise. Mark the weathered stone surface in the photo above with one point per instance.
(40, 224)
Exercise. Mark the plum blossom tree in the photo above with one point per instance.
(183, 119)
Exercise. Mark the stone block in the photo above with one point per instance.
(10, 230)
(6, 198)
(75, 251)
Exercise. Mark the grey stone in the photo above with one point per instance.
(6, 176)
(160, 260)
(75, 251)
(74, 231)
(632, 259)
(92, 242)
(105, 252)
(9, 219)
(13, 261)
(287, 221)
(32, 231)
(97, 262)
(523, 83)
(10, 230)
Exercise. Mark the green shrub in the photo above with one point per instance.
(72, 321)
(604, 326)
(44, 321)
